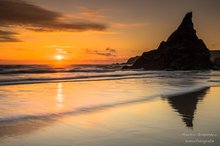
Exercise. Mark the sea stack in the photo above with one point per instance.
(183, 50)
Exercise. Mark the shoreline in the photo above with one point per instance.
(139, 120)
(96, 108)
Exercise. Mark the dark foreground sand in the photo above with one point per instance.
(190, 119)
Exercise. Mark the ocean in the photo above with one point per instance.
(30, 93)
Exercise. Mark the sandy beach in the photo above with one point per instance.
(186, 119)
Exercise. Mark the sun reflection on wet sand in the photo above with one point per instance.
(138, 123)
(59, 96)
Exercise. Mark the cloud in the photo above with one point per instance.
(110, 50)
(129, 25)
(104, 54)
(107, 52)
(8, 36)
(91, 13)
(36, 18)
(61, 49)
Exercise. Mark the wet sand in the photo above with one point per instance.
(189, 119)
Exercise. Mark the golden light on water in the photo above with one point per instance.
(59, 97)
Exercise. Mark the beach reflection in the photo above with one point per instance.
(23, 127)
(59, 96)
(186, 105)
(130, 123)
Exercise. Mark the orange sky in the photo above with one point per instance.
(97, 31)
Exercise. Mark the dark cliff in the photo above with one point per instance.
(183, 50)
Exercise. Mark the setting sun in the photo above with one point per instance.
(59, 57)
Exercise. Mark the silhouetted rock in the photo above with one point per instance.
(182, 51)
(217, 62)
(126, 67)
(132, 60)
(214, 54)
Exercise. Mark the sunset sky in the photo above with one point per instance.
(97, 31)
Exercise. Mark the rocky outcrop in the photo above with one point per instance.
(183, 50)
(214, 54)
(217, 62)
(132, 60)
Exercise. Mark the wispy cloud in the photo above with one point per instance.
(91, 14)
(36, 18)
(8, 36)
(109, 52)
(61, 49)
(129, 25)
